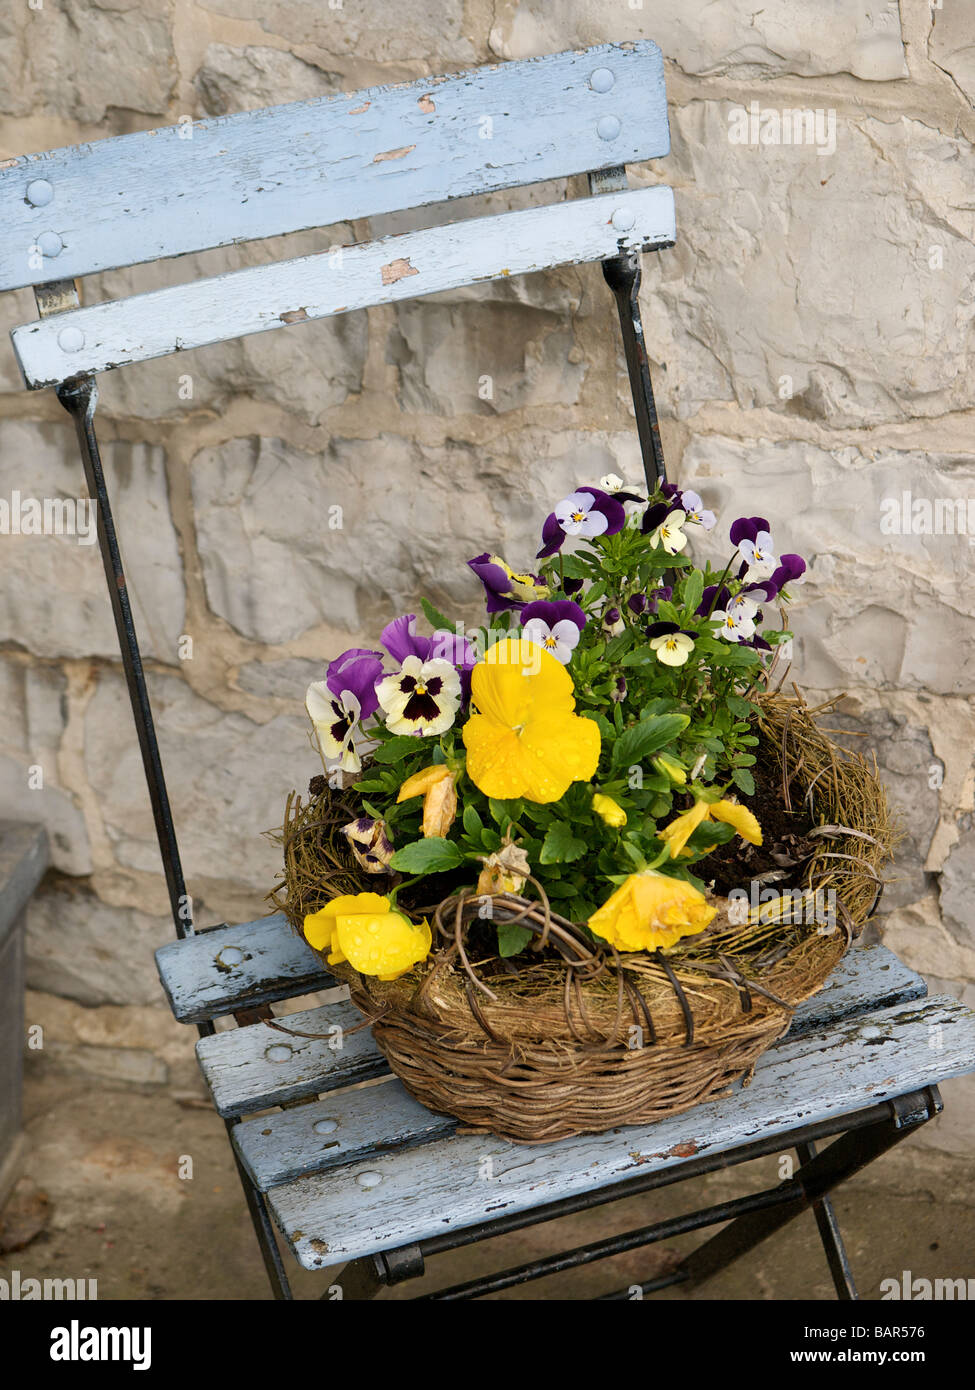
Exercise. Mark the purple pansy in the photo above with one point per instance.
(555, 625)
(712, 598)
(657, 512)
(746, 528)
(401, 639)
(502, 587)
(790, 569)
(358, 671)
(339, 703)
(663, 594)
(587, 512)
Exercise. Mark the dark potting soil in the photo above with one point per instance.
(785, 840)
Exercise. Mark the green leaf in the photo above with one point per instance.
(434, 617)
(744, 709)
(429, 856)
(397, 748)
(512, 938)
(648, 736)
(472, 822)
(560, 846)
(693, 590)
(743, 780)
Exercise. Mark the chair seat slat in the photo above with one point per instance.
(387, 1200)
(279, 1147)
(200, 184)
(238, 967)
(337, 1129)
(259, 298)
(258, 1066)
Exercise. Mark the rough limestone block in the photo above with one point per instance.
(32, 721)
(53, 601)
(247, 79)
(430, 31)
(835, 286)
(951, 43)
(228, 780)
(875, 609)
(702, 38)
(409, 518)
(86, 60)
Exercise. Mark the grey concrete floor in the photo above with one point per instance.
(110, 1158)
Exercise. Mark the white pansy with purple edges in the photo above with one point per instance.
(422, 698)
(696, 511)
(736, 624)
(555, 624)
(759, 556)
(335, 720)
(578, 515)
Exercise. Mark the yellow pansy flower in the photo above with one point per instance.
(608, 810)
(525, 738)
(375, 939)
(649, 911)
(439, 791)
(679, 831)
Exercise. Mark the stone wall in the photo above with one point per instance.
(811, 335)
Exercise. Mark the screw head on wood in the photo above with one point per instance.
(608, 127)
(325, 1126)
(623, 219)
(601, 80)
(72, 340)
(50, 244)
(278, 1052)
(369, 1179)
(40, 193)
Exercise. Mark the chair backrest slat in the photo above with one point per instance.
(107, 335)
(190, 187)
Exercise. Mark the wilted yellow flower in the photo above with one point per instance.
(505, 871)
(608, 810)
(651, 910)
(526, 739)
(439, 791)
(671, 768)
(375, 940)
(679, 831)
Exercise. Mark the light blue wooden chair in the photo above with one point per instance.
(367, 1177)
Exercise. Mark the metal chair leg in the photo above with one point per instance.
(829, 1234)
(844, 1157)
(79, 398)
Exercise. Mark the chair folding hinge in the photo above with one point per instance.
(56, 297)
(916, 1108)
(405, 1263)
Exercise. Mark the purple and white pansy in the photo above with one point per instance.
(753, 538)
(421, 698)
(590, 511)
(554, 625)
(503, 588)
(338, 704)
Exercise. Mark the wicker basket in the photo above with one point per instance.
(583, 1039)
